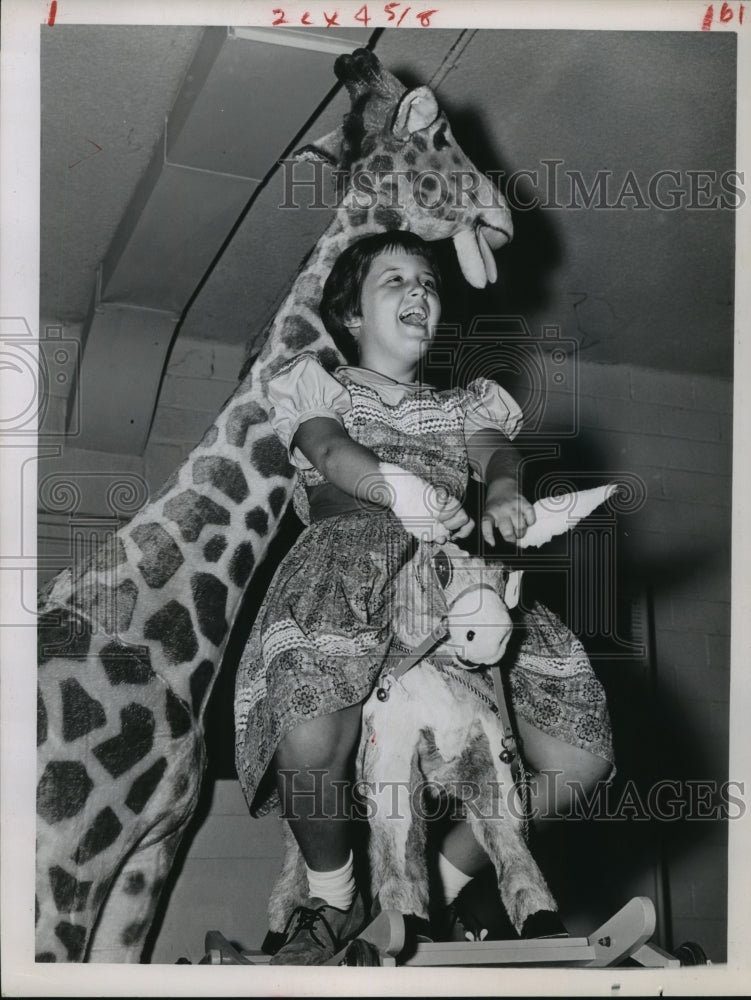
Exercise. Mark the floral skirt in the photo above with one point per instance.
(323, 632)
(553, 686)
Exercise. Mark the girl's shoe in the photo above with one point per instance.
(317, 931)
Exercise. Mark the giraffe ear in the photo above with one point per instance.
(417, 110)
(327, 149)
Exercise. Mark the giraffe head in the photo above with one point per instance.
(402, 164)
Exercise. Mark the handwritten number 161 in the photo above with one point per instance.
(725, 15)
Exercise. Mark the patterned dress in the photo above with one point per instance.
(323, 631)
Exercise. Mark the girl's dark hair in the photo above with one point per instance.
(341, 298)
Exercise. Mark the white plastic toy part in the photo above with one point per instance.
(558, 514)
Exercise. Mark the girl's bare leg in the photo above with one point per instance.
(559, 771)
(314, 765)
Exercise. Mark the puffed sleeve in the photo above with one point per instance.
(489, 407)
(492, 419)
(300, 390)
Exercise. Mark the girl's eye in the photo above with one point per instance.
(429, 283)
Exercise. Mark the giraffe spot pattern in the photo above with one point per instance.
(178, 715)
(410, 158)
(419, 142)
(191, 511)
(145, 785)
(357, 217)
(69, 894)
(172, 626)
(389, 218)
(133, 933)
(134, 884)
(81, 713)
(240, 419)
(213, 549)
(380, 164)
(162, 557)
(277, 498)
(41, 719)
(125, 604)
(297, 333)
(110, 554)
(329, 358)
(102, 833)
(210, 602)
(224, 474)
(62, 632)
(73, 939)
(257, 520)
(126, 664)
(269, 457)
(63, 790)
(199, 684)
(136, 737)
(241, 564)
(429, 182)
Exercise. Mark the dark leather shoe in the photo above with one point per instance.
(316, 932)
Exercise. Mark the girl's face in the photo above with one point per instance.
(399, 309)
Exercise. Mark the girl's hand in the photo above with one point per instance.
(507, 511)
(455, 519)
(421, 508)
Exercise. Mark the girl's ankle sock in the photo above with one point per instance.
(453, 879)
(336, 887)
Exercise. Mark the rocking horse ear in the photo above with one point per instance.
(417, 110)
(325, 150)
(513, 586)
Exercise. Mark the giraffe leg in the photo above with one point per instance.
(129, 909)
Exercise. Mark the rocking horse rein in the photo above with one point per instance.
(409, 658)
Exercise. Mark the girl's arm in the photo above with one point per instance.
(496, 462)
(356, 470)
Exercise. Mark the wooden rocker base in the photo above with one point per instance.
(625, 936)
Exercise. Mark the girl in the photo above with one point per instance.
(381, 458)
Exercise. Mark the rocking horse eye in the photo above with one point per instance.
(443, 568)
(470, 635)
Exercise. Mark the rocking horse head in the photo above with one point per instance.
(459, 601)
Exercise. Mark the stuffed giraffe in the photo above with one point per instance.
(131, 643)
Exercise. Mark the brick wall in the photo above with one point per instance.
(674, 432)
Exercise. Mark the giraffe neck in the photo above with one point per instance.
(173, 578)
